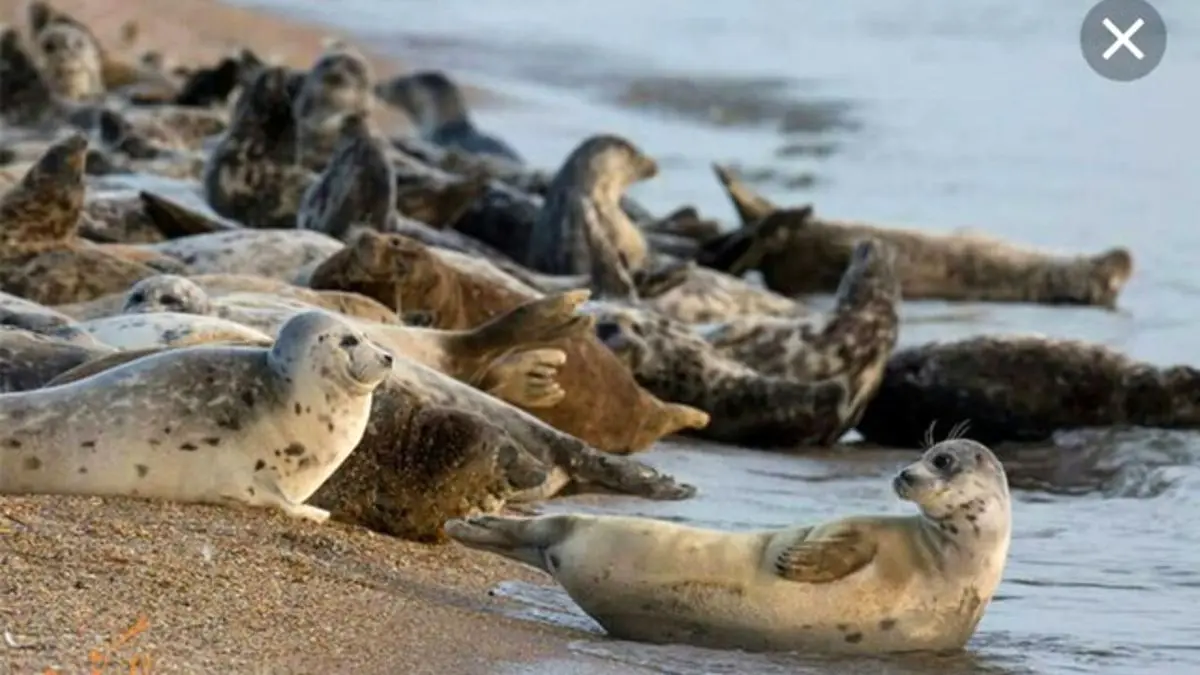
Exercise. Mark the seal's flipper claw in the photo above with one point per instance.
(827, 557)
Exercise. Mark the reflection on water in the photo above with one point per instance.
(918, 112)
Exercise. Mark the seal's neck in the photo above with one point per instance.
(974, 533)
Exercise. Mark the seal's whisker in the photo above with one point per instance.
(927, 441)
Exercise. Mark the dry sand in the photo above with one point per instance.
(198, 589)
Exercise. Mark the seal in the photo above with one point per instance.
(71, 59)
(26, 99)
(500, 356)
(338, 84)
(963, 266)
(594, 175)
(287, 255)
(859, 585)
(169, 329)
(202, 424)
(603, 405)
(436, 105)
(251, 176)
(357, 187)
(30, 359)
(41, 258)
(1024, 388)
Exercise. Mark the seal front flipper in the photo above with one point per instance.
(610, 275)
(827, 557)
(527, 379)
(751, 206)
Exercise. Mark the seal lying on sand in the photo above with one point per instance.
(337, 85)
(169, 329)
(939, 266)
(604, 406)
(29, 359)
(251, 175)
(357, 187)
(436, 105)
(810, 391)
(595, 174)
(264, 427)
(862, 584)
(1023, 389)
(288, 255)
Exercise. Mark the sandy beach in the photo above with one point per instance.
(127, 586)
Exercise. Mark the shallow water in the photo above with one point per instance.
(910, 112)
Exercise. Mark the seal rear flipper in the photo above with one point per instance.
(528, 379)
(751, 206)
(740, 251)
(828, 557)
(175, 220)
(534, 323)
(653, 283)
(524, 540)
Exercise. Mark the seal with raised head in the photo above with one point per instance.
(860, 584)
(71, 59)
(25, 96)
(957, 266)
(356, 189)
(595, 175)
(603, 405)
(1024, 388)
(337, 85)
(259, 426)
(434, 102)
(251, 175)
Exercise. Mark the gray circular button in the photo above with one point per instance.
(1123, 40)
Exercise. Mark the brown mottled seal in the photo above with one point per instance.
(595, 174)
(338, 84)
(960, 266)
(861, 584)
(356, 189)
(435, 103)
(603, 405)
(251, 175)
(1023, 388)
(202, 424)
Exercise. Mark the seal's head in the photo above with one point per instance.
(429, 97)
(649, 344)
(167, 293)
(339, 83)
(72, 61)
(870, 275)
(264, 108)
(24, 93)
(388, 267)
(62, 165)
(958, 479)
(605, 164)
(317, 349)
(1110, 271)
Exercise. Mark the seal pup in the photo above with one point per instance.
(1023, 388)
(595, 175)
(202, 424)
(603, 404)
(251, 175)
(860, 584)
(338, 84)
(964, 266)
(433, 101)
(356, 189)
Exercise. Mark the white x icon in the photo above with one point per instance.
(1123, 39)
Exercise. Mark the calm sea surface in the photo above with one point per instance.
(934, 114)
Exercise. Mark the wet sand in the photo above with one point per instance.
(91, 585)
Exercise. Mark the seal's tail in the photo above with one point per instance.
(522, 539)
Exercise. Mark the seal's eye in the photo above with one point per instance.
(349, 341)
(942, 462)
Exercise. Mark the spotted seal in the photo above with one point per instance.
(287, 255)
(1023, 388)
(435, 103)
(339, 83)
(603, 404)
(251, 176)
(356, 189)
(202, 424)
(860, 584)
(594, 175)
(958, 266)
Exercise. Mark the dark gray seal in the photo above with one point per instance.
(356, 189)
(337, 85)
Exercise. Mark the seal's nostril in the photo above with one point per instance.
(607, 330)
(388, 359)
(906, 477)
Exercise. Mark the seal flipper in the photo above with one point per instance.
(527, 379)
(621, 475)
(740, 251)
(535, 322)
(440, 206)
(751, 206)
(524, 540)
(827, 557)
(174, 220)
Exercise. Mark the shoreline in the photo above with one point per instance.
(126, 585)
